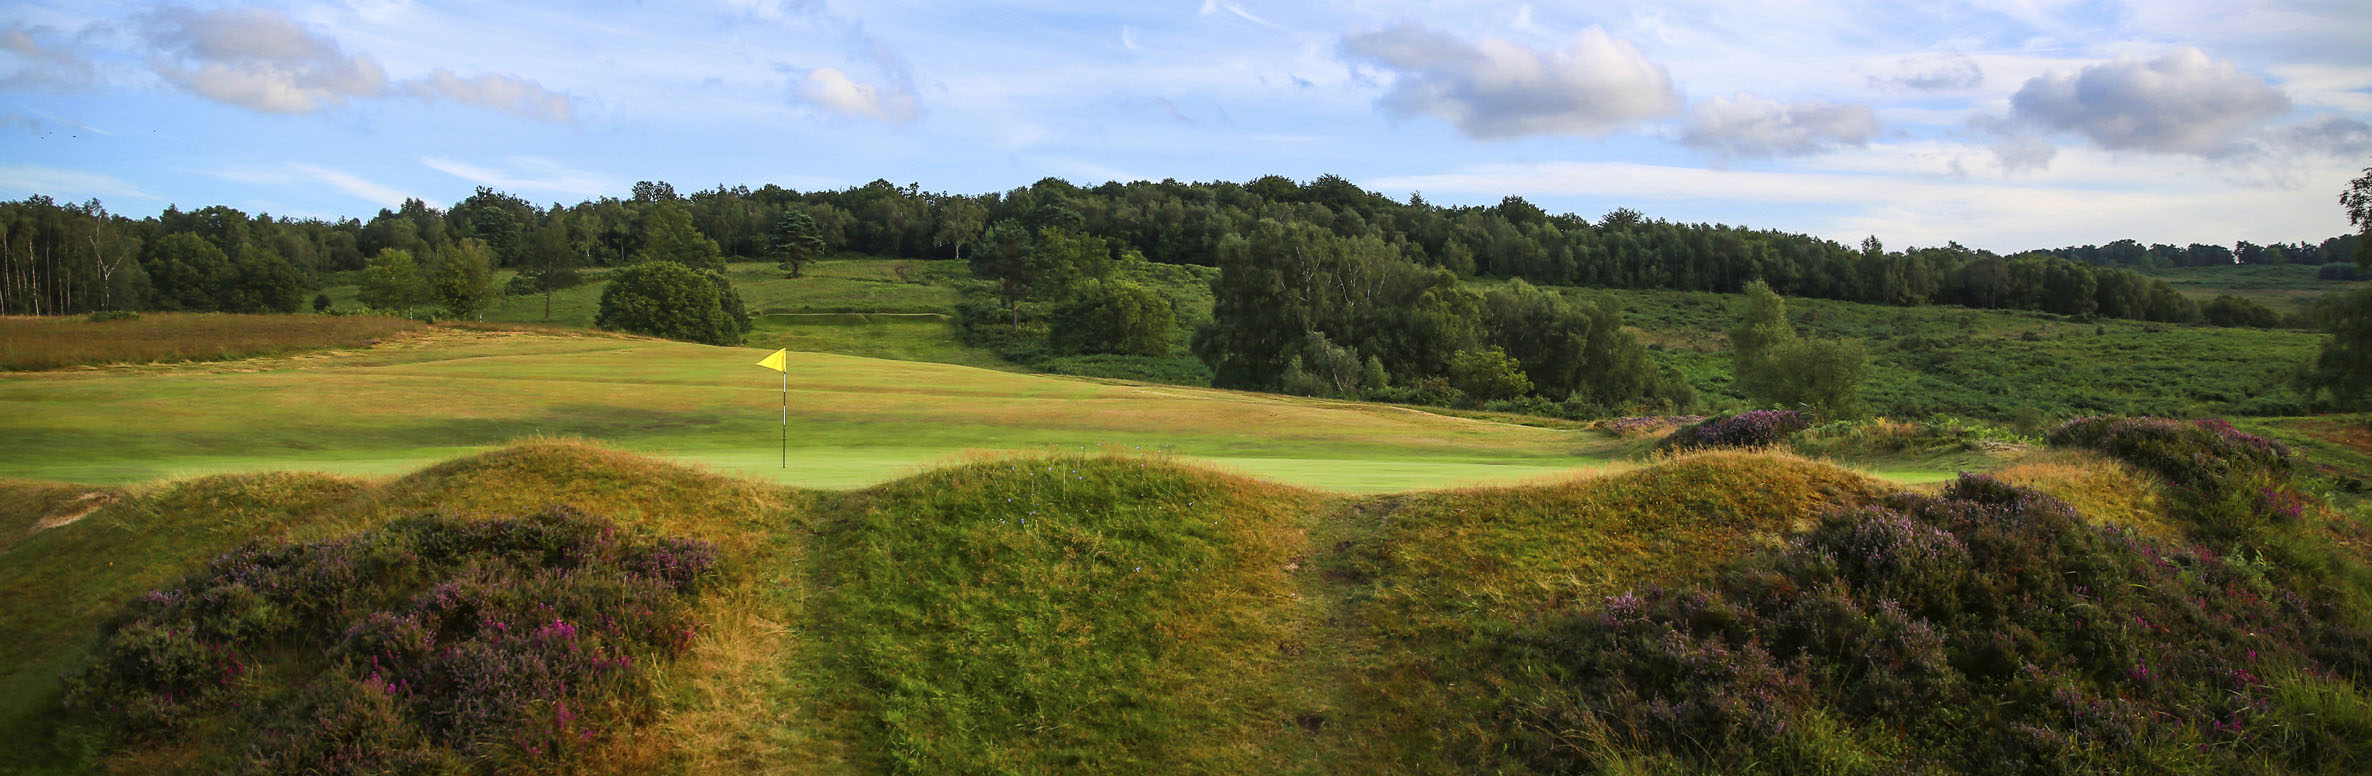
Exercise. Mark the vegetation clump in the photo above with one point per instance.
(1985, 630)
(2229, 484)
(1754, 428)
(429, 644)
(668, 299)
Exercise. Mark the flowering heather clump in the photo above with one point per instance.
(1758, 428)
(1985, 630)
(2232, 483)
(430, 643)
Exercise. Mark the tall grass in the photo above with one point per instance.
(28, 344)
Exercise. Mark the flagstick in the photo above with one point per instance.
(786, 418)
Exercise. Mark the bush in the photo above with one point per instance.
(1488, 375)
(1757, 428)
(666, 299)
(2231, 310)
(103, 316)
(424, 644)
(1116, 317)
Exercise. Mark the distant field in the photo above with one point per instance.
(2283, 287)
(854, 421)
(1995, 364)
(28, 343)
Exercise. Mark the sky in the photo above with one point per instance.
(1999, 124)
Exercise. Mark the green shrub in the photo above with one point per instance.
(1116, 317)
(2234, 310)
(666, 299)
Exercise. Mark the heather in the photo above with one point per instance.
(1985, 629)
(1754, 428)
(428, 644)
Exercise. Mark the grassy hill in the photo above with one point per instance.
(1100, 612)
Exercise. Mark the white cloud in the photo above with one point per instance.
(44, 66)
(833, 90)
(2182, 102)
(314, 176)
(261, 59)
(64, 184)
(1495, 89)
(384, 196)
(529, 173)
(1935, 73)
(258, 59)
(1748, 126)
(1215, 6)
(493, 91)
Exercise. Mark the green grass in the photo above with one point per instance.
(2283, 287)
(854, 421)
(1062, 614)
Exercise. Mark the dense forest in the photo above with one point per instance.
(62, 258)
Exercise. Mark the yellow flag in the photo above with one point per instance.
(775, 361)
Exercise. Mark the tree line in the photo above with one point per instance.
(67, 258)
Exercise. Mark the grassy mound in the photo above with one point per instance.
(2103, 489)
(1063, 614)
(56, 584)
(1989, 630)
(1430, 573)
(1728, 611)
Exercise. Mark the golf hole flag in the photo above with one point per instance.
(777, 361)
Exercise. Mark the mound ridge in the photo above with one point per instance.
(1057, 613)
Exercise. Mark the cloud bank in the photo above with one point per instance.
(261, 59)
(1757, 127)
(2180, 103)
(1494, 89)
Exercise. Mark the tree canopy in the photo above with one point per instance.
(667, 299)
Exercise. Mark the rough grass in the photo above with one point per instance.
(30, 344)
(1428, 573)
(1149, 617)
(1993, 364)
(1056, 614)
(2102, 489)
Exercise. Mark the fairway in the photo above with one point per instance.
(855, 421)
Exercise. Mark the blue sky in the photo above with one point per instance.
(2006, 125)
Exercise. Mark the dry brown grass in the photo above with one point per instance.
(32, 344)
(2102, 489)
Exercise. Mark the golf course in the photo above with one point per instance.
(437, 393)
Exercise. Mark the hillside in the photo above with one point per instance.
(1998, 365)
(1066, 612)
